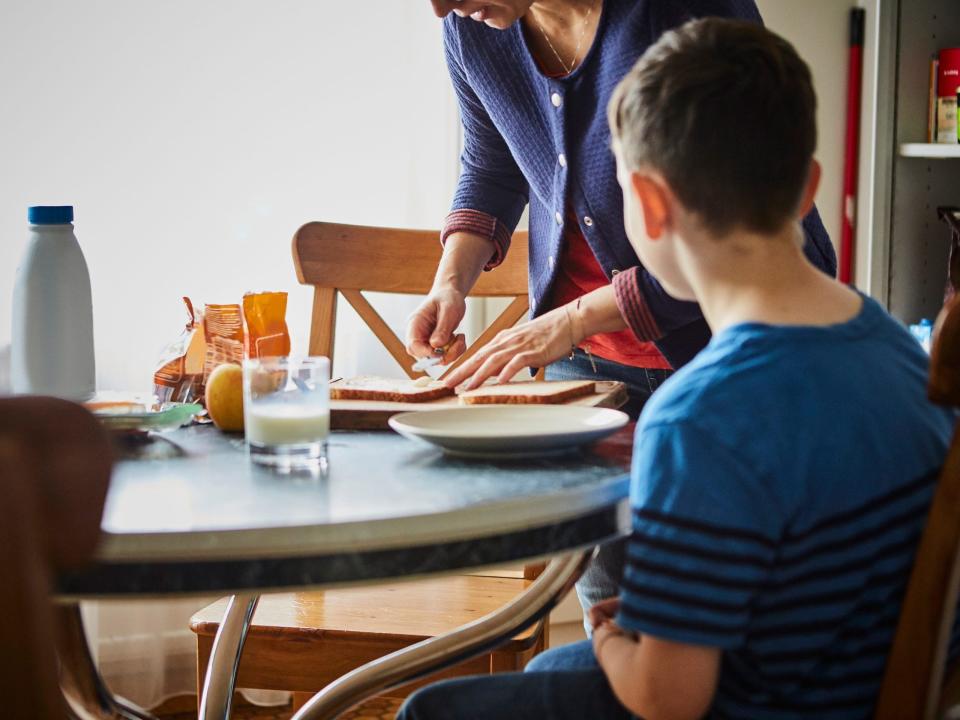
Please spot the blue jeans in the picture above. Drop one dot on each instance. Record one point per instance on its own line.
(640, 382)
(602, 578)
(561, 684)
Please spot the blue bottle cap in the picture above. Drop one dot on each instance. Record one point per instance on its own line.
(50, 214)
(926, 322)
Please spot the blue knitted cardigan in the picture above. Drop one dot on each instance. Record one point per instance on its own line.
(517, 122)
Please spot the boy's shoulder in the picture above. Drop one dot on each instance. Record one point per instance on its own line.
(754, 374)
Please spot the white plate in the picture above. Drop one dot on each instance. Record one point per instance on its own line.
(510, 431)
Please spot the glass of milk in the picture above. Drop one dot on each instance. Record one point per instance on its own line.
(286, 410)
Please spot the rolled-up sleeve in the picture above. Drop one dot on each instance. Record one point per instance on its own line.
(482, 224)
(491, 191)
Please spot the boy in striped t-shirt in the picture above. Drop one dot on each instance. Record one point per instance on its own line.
(781, 479)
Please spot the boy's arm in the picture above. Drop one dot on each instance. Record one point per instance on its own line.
(657, 679)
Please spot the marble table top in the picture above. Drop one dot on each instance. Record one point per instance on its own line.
(196, 516)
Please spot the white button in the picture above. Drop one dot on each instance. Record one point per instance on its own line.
(615, 271)
(556, 100)
(562, 159)
(559, 218)
(588, 221)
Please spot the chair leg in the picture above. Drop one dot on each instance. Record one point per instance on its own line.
(84, 690)
(300, 699)
(221, 677)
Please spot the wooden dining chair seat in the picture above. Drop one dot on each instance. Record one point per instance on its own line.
(302, 641)
(919, 679)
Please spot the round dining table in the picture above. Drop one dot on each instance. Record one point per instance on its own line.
(187, 513)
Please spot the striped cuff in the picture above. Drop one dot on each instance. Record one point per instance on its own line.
(482, 224)
(633, 306)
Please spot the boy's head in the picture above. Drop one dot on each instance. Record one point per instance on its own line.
(715, 126)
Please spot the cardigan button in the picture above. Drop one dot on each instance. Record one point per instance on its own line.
(559, 218)
(588, 221)
(556, 100)
(615, 271)
(562, 159)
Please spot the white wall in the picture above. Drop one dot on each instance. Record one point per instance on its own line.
(193, 138)
(819, 29)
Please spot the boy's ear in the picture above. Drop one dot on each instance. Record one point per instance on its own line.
(652, 197)
(810, 189)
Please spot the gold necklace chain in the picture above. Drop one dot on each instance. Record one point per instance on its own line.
(576, 52)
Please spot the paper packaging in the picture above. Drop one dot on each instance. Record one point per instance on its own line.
(223, 331)
(180, 375)
(264, 319)
(948, 82)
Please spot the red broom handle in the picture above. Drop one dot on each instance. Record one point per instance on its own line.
(851, 160)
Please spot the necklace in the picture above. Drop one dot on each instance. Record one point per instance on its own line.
(576, 53)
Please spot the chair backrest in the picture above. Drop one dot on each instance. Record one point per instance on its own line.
(348, 259)
(54, 470)
(917, 682)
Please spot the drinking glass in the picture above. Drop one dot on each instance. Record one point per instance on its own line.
(286, 410)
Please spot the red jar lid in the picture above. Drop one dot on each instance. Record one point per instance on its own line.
(949, 79)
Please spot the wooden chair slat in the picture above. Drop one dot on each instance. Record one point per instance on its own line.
(507, 319)
(395, 260)
(383, 332)
(323, 322)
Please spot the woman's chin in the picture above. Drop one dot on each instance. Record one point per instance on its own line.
(499, 19)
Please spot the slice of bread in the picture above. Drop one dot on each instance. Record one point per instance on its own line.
(529, 393)
(387, 389)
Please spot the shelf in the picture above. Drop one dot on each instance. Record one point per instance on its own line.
(930, 150)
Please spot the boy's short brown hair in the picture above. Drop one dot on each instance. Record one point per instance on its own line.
(726, 111)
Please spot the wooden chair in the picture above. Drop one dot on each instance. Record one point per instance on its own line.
(302, 641)
(54, 470)
(917, 681)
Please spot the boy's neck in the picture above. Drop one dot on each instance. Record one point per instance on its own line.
(747, 277)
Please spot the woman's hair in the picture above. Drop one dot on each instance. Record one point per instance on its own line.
(725, 110)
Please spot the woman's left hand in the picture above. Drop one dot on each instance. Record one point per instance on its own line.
(533, 344)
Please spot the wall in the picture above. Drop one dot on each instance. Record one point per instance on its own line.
(819, 31)
(194, 138)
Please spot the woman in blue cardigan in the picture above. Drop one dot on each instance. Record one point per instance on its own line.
(533, 80)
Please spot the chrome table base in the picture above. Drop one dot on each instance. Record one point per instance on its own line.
(444, 651)
(89, 699)
(224, 663)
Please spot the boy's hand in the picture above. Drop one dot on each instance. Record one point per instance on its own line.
(432, 326)
(604, 611)
(605, 632)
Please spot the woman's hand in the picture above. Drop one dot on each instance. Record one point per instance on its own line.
(432, 326)
(533, 344)
(604, 611)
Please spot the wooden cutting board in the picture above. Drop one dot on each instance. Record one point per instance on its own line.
(374, 414)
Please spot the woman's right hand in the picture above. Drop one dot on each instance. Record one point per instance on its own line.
(433, 324)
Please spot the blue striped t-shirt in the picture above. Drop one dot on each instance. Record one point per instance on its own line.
(780, 484)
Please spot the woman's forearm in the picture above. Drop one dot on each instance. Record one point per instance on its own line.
(464, 257)
(597, 312)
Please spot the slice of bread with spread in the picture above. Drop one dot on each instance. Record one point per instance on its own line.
(529, 393)
(370, 387)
